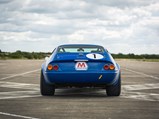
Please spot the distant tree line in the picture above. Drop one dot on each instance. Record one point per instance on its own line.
(133, 56)
(40, 55)
(23, 55)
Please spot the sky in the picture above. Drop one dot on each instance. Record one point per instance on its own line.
(121, 26)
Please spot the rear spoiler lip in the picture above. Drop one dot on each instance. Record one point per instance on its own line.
(80, 60)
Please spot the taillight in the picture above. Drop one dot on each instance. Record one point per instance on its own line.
(55, 67)
(106, 67)
(49, 67)
(52, 67)
(109, 67)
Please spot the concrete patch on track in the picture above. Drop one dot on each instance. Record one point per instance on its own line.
(134, 91)
(32, 90)
(141, 96)
(19, 85)
(141, 87)
(18, 94)
(127, 92)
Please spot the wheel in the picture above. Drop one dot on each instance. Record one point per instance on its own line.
(45, 88)
(114, 90)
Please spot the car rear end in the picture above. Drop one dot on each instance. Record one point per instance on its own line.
(91, 67)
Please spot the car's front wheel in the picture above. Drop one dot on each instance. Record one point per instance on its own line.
(45, 88)
(114, 90)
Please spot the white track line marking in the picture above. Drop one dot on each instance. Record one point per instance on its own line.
(19, 85)
(28, 72)
(25, 96)
(19, 94)
(154, 77)
(140, 86)
(19, 116)
(141, 96)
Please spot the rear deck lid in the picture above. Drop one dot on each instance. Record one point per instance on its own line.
(80, 57)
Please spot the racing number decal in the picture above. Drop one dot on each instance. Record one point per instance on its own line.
(81, 66)
(94, 56)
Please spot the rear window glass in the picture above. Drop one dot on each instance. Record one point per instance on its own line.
(78, 49)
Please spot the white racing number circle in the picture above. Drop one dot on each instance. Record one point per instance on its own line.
(94, 56)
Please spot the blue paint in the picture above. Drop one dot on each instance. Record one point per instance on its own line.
(67, 73)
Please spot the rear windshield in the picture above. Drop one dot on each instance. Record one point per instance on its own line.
(78, 49)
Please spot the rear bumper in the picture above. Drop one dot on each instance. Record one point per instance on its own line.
(97, 79)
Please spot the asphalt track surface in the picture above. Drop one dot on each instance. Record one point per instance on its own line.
(20, 97)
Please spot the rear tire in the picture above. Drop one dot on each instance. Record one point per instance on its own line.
(46, 89)
(114, 90)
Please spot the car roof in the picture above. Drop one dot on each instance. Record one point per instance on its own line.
(79, 45)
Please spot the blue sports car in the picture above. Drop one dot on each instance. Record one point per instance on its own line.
(80, 65)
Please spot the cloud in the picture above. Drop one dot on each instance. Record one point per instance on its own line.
(119, 25)
(122, 3)
(5, 1)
